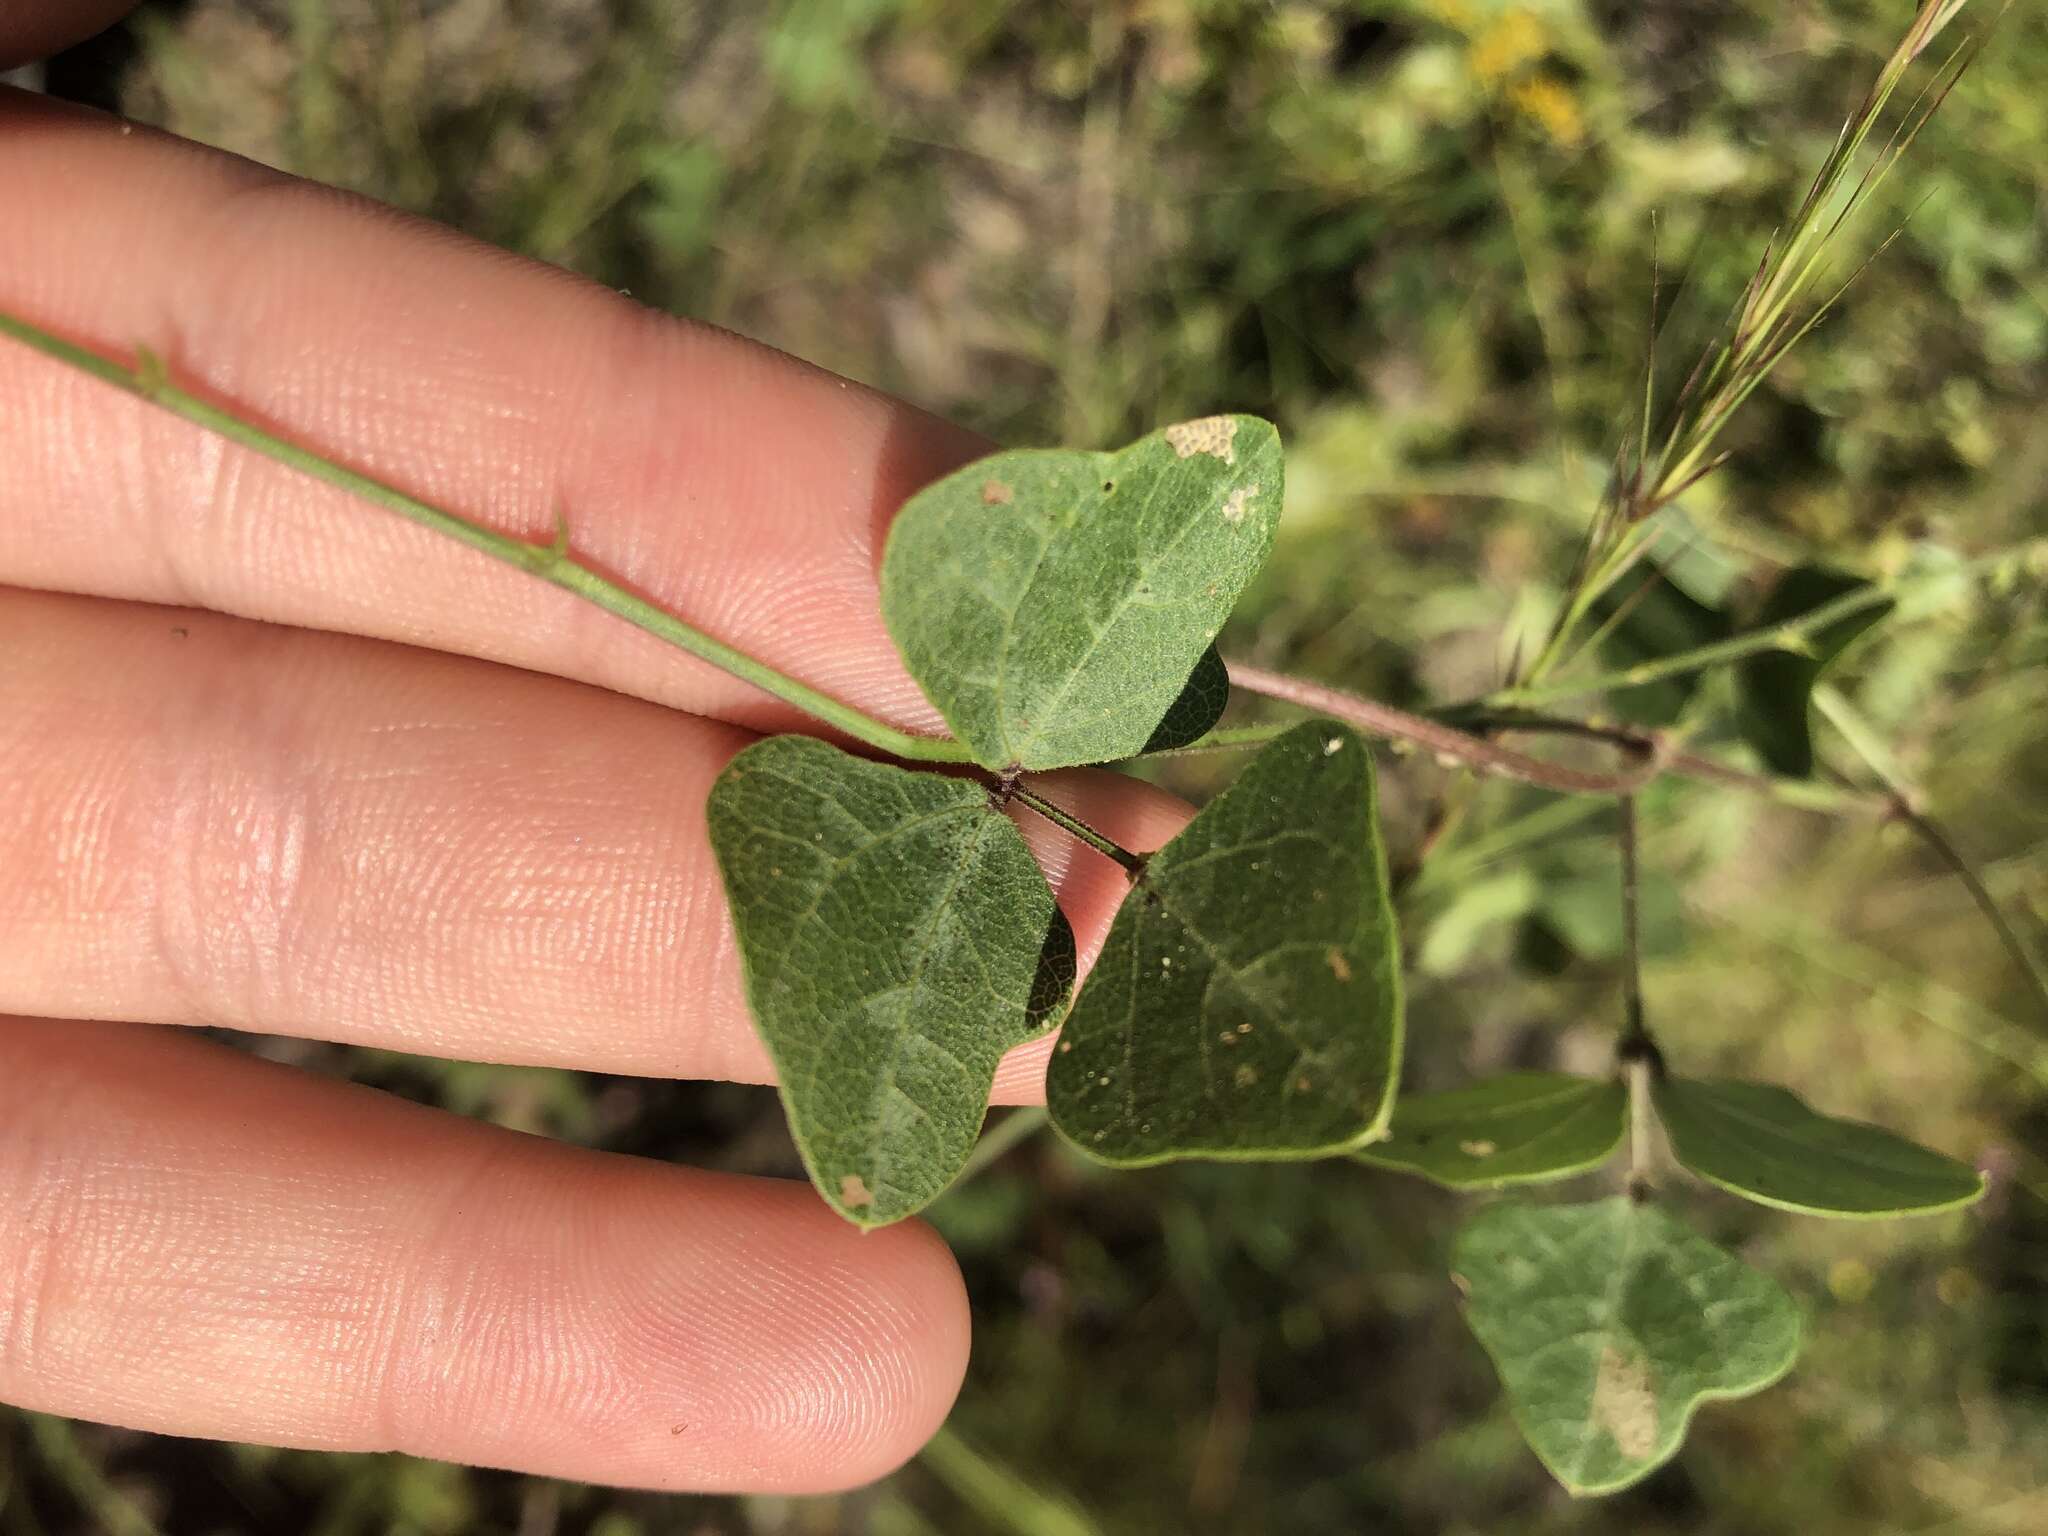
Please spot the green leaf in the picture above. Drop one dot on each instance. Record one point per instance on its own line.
(1765, 1144)
(1776, 687)
(1247, 1003)
(896, 938)
(1200, 705)
(1648, 617)
(1609, 1324)
(1518, 1129)
(1054, 604)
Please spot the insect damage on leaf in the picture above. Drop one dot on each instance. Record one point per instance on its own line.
(1213, 435)
(1072, 627)
(1623, 1403)
(1609, 1324)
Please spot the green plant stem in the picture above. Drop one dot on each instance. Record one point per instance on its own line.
(1906, 806)
(1790, 635)
(1074, 826)
(1015, 1128)
(552, 562)
(66, 1460)
(996, 1494)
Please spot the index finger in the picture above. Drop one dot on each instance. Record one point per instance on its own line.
(731, 485)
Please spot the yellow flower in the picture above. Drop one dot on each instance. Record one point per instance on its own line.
(1552, 107)
(1512, 41)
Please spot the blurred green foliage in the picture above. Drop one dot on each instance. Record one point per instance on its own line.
(1427, 237)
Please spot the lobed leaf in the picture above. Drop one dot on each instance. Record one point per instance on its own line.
(1055, 604)
(1521, 1128)
(1609, 1324)
(1247, 1002)
(1776, 687)
(1763, 1143)
(896, 938)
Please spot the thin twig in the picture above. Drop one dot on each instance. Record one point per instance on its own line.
(1447, 741)
(1074, 826)
(1653, 752)
(2023, 961)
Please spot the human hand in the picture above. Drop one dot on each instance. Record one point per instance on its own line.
(380, 790)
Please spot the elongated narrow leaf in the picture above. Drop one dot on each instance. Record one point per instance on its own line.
(1765, 1144)
(1053, 604)
(896, 938)
(1609, 1324)
(1247, 1002)
(1776, 687)
(1518, 1129)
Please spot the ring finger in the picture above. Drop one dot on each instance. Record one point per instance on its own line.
(215, 821)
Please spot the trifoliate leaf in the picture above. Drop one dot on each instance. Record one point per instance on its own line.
(1776, 687)
(1609, 1324)
(1054, 604)
(1518, 1129)
(1247, 1002)
(1765, 1144)
(896, 938)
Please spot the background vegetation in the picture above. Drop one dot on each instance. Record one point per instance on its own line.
(1421, 237)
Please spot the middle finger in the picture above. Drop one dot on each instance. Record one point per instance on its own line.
(216, 821)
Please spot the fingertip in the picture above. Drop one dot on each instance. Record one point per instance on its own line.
(907, 1330)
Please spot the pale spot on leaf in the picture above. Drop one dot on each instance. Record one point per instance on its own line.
(995, 494)
(1623, 1403)
(1339, 966)
(1237, 501)
(853, 1193)
(1477, 1148)
(1213, 435)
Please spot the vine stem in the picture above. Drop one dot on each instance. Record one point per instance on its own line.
(1448, 741)
(552, 561)
(1654, 753)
